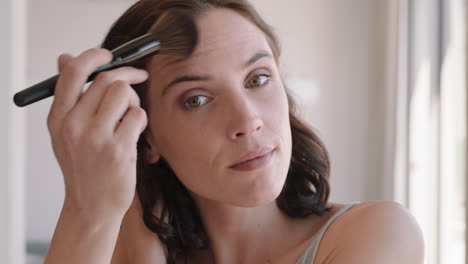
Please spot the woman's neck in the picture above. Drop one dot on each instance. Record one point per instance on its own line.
(249, 235)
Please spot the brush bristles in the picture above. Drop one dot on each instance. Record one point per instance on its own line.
(177, 33)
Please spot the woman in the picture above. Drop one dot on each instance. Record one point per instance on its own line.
(186, 126)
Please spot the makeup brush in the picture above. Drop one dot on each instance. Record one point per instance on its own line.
(174, 34)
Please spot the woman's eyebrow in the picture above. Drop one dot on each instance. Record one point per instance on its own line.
(256, 57)
(189, 78)
(185, 78)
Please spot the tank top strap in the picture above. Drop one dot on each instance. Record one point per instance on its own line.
(308, 255)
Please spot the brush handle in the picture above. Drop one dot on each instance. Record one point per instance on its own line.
(124, 55)
(36, 92)
(46, 88)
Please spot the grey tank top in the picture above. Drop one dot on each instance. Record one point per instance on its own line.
(308, 255)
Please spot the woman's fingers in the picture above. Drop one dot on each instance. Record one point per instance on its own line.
(133, 124)
(98, 165)
(89, 102)
(119, 97)
(72, 79)
(63, 60)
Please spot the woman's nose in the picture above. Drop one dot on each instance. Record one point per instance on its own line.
(244, 120)
(249, 128)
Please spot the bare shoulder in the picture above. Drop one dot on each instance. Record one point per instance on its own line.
(136, 243)
(373, 232)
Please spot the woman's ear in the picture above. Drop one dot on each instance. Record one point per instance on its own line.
(151, 153)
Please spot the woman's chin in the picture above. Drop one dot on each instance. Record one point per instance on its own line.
(258, 197)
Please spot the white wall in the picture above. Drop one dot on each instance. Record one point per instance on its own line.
(335, 48)
(12, 132)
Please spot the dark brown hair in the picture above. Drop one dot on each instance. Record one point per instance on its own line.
(179, 226)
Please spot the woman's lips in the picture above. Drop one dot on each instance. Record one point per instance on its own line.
(255, 163)
(254, 153)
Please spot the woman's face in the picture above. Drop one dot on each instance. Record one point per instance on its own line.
(228, 99)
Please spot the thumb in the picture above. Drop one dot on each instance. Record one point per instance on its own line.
(63, 60)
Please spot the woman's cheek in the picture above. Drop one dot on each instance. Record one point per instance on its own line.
(278, 105)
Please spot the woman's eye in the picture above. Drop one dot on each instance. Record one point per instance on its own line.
(258, 80)
(195, 101)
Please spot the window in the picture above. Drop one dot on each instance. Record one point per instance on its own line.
(437, 121)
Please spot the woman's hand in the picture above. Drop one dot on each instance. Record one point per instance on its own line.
(94, 134)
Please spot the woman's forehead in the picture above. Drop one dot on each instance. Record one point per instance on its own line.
(222, 28)
(224, 37)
